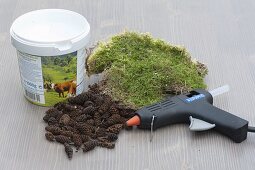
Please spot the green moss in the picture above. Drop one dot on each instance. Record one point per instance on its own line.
(140, 70)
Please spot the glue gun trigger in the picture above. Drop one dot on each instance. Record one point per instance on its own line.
(199, 125)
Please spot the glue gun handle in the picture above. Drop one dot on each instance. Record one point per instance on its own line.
(226, 123)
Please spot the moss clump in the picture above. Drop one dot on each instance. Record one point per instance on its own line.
(140, 70)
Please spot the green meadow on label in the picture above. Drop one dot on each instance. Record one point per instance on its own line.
(59, 77)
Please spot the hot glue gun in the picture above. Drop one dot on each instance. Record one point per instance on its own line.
(196, 108)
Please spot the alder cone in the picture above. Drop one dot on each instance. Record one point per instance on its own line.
(85, 128)
(112, 137)
(88, 103)
(68, 150)
(65, 119)
(115, 128)
(72, 123)
(46, 118)
(81, 98)
(89, 110)
(98, 100)
(53, 129)
(91, 122)
(97, 119)
(53, 112)
(103, 108)
(107, 145)
(128, 113)
(52, 121)
(75, 113)
(68, 107)
(67, 133)
(62, 139)
(59, 116)
(113, 110)
(77, 140)
(105, 116)
(89, 146)
(59, 106)
(114, 119)
(84, 138)
(69, 128)
(94, 88)
(79, 107)
(49, 136)
(100, 132)
(81, 118)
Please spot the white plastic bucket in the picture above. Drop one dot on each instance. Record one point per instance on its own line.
(51, 48)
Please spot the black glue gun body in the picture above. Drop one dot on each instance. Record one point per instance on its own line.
(195, 108)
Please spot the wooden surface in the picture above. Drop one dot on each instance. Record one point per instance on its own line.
(219, 33)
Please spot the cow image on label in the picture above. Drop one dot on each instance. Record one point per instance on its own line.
(69, 86)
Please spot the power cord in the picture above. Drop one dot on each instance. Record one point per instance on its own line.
(251, 129)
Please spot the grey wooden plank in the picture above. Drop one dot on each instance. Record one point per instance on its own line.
(219, 33)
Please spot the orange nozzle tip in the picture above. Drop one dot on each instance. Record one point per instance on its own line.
(133, 121)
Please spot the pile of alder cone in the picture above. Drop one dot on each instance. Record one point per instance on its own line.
(86, 121)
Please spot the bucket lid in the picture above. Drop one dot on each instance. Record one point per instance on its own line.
(50, 32)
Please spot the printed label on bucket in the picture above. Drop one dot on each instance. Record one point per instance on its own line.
(48, 80)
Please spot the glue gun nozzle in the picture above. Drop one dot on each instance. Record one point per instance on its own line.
(134, 121)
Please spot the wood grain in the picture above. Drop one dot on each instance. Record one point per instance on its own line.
(219, 33)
